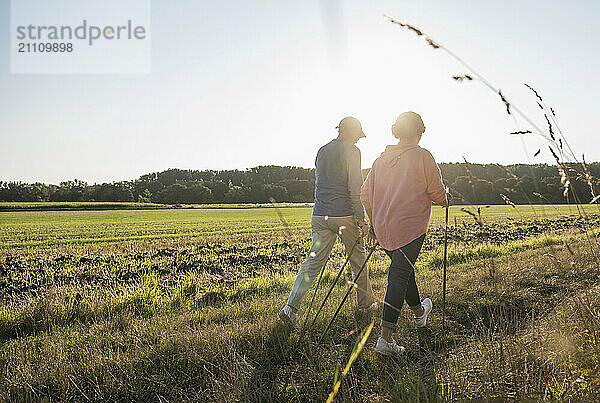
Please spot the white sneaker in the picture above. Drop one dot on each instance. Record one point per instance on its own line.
(427, 305)
(388, 348)
(288, 316)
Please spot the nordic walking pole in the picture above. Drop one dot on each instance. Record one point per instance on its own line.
(334, 282)
(312, 300)
(444, 280)
(347, 293)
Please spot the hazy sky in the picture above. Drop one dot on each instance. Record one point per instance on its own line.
(236, 84)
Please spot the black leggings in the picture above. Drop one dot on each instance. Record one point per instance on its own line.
(401, 281)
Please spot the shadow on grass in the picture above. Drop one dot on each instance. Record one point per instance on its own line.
(411, 376)
(277, 351)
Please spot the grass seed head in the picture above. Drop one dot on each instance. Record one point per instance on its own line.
(508, 172)
(464, 77)
(414, 29)
(588, 177)
(536, 93)
(435, 46)
(564, 178)
(472, 214)
(468, 167)
(508, 201)
(506, 103)
(550, 129)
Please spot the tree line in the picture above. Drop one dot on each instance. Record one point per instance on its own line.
(468, 183)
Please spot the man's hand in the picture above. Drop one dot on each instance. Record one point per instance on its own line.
(364, 227)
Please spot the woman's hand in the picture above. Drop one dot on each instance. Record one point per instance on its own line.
(371, 238)
(448, 198)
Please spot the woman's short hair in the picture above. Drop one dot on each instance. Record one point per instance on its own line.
(409, 124)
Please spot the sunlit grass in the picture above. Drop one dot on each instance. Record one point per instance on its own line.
(196, 319)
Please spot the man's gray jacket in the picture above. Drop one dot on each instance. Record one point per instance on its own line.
(338, 181)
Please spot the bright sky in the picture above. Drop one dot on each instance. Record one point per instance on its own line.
(236, 84)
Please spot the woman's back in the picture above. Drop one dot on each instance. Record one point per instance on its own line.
(399, 190)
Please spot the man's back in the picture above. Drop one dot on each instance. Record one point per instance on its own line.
(337, 175)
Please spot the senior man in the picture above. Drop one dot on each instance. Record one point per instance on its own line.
(337, 212)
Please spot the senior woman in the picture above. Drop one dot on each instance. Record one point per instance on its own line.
(397, 196)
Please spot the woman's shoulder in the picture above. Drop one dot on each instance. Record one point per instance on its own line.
(377, 162)
(426, 153)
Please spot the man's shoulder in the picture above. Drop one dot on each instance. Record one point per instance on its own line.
(324, 148)
(341, 148)
(341, 144)
(330, 144)
(350, 148)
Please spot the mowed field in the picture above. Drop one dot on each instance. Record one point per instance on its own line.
(39, 228)
(181, 305)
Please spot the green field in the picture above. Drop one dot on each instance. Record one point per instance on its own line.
(25, 228)
(181, 305)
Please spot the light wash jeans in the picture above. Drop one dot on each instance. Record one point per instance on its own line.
(325, 231)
